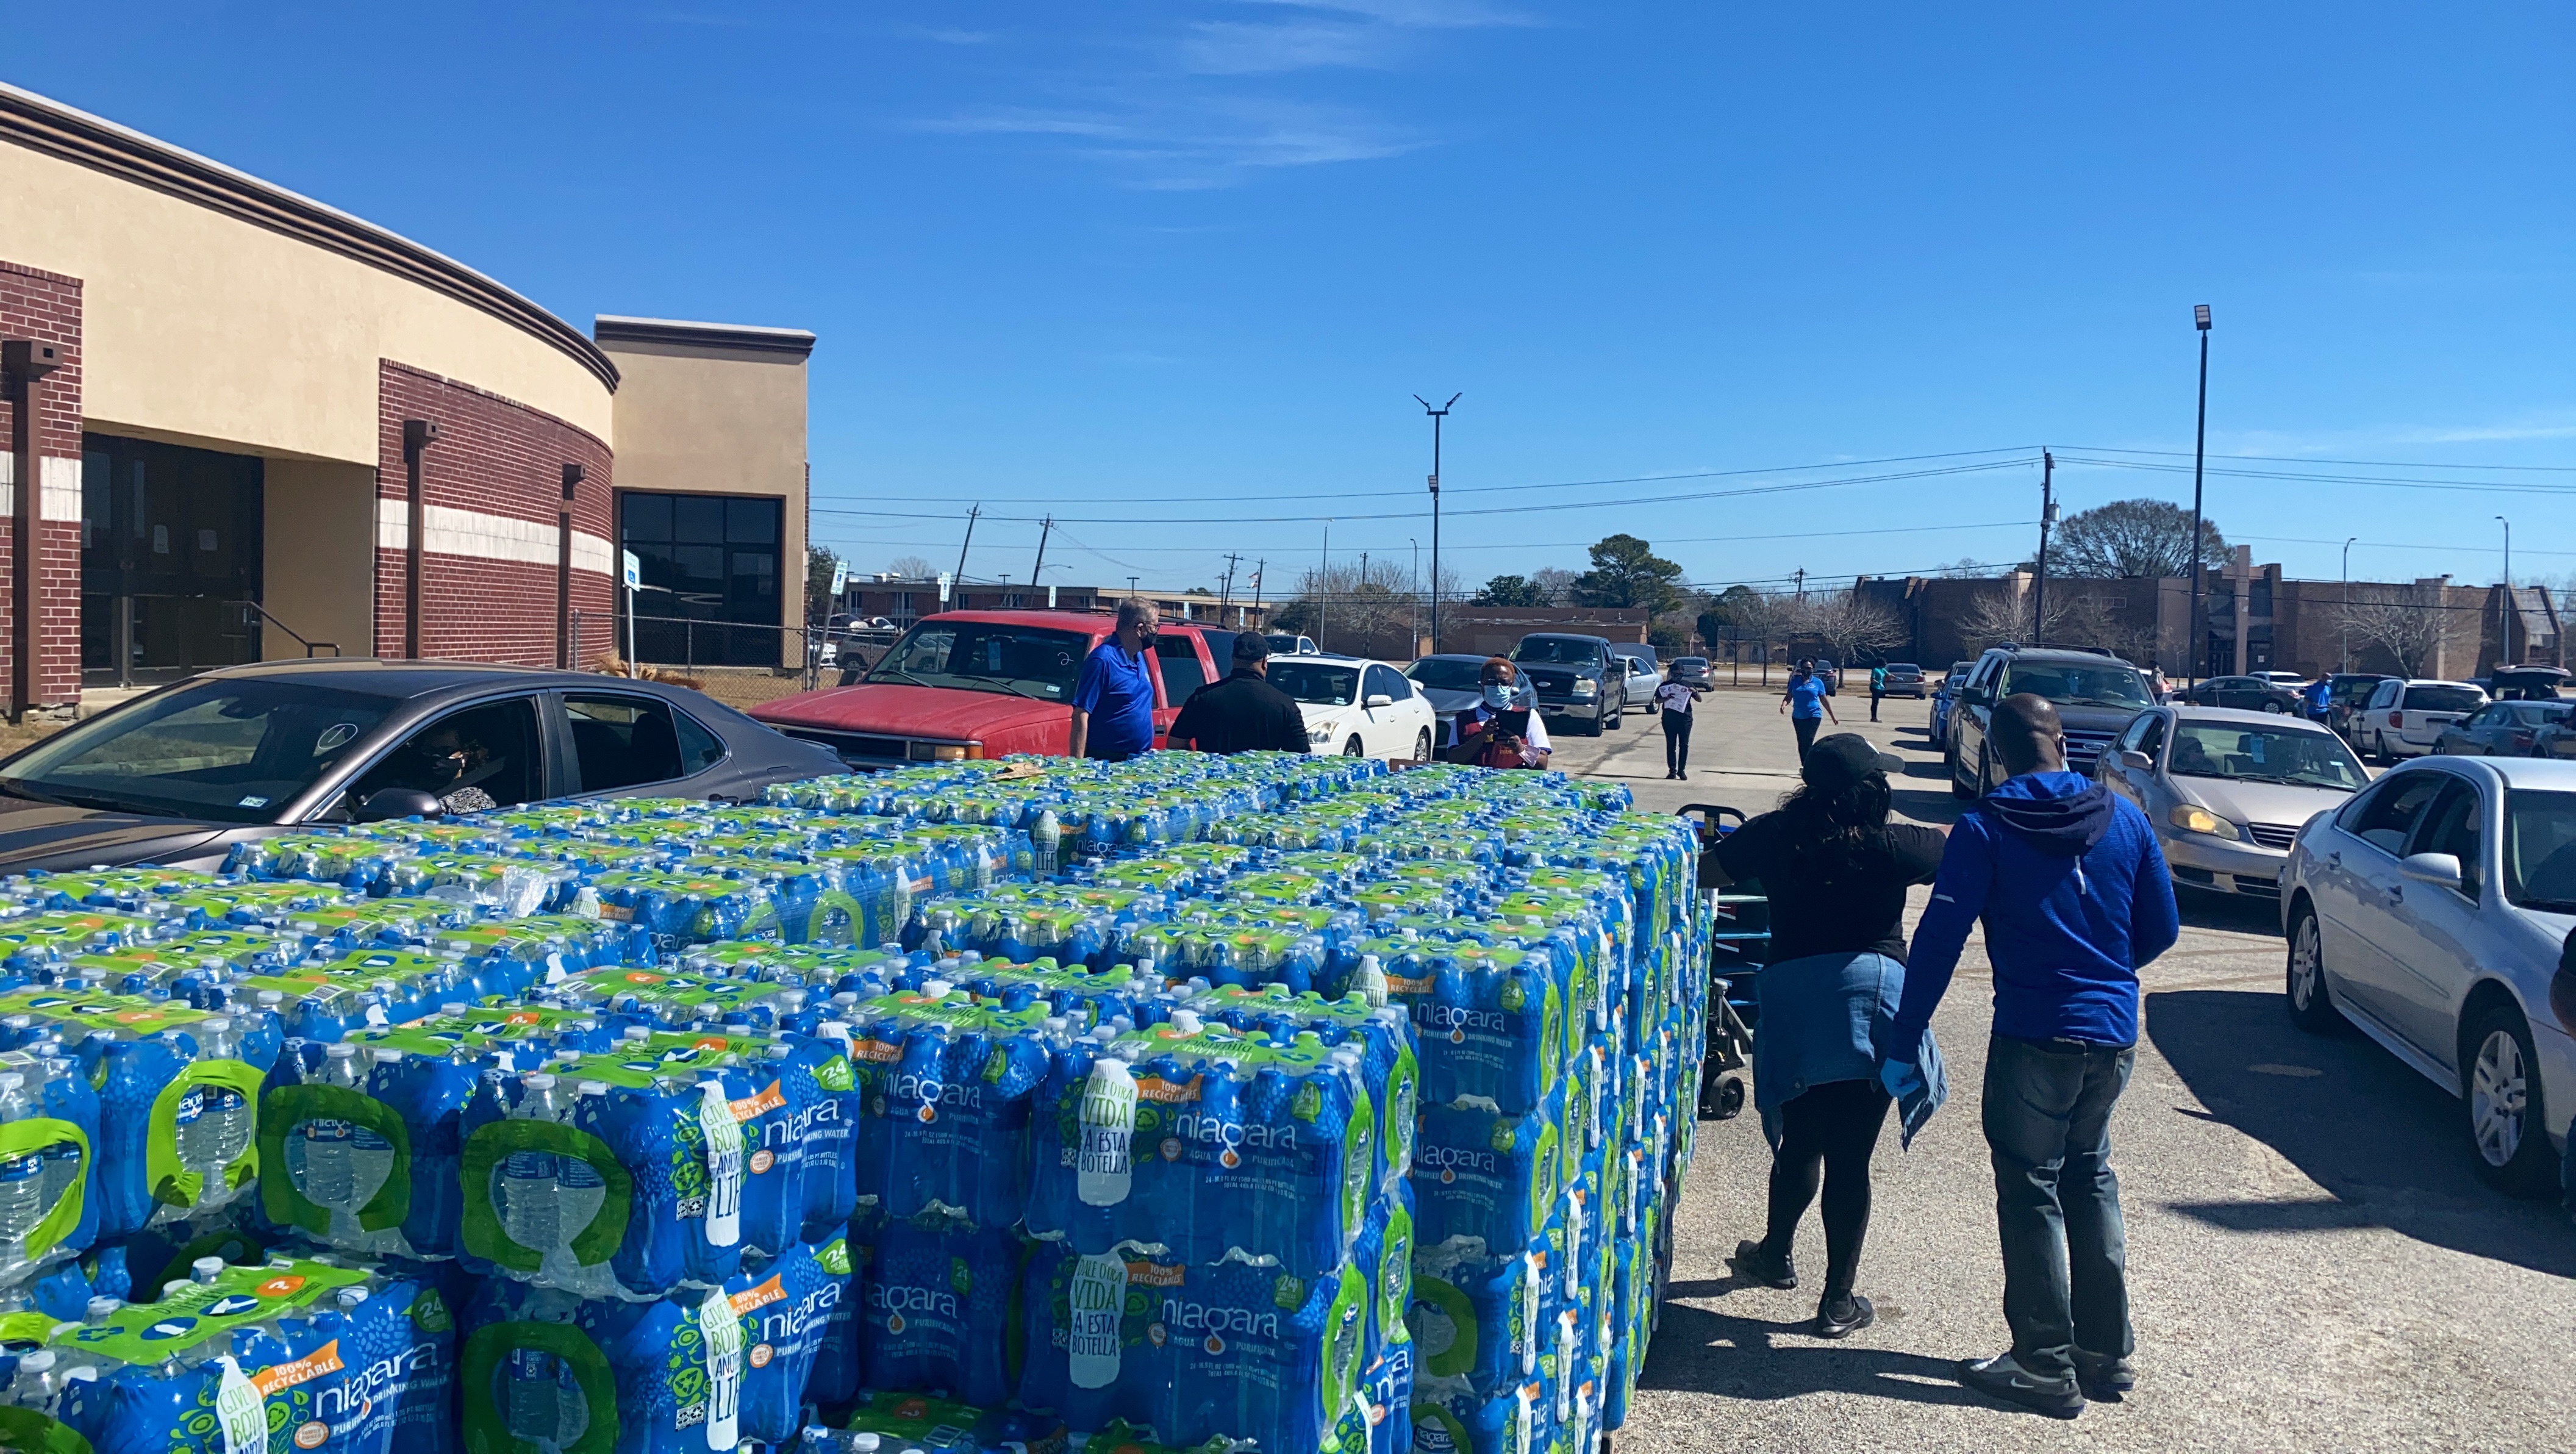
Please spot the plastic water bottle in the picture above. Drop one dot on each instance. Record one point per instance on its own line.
(371, 1156)
(205, 1270)
(722, 1328)
(724, 1174)
(525, 1189)
(579, 1189)
(1098, 1302)
(62, 1158)
(1103, 1174)
(324, 1143)
(1046, 838)
(36, 1386)
(220, 1131)
(22, 1178)
(534, 1404)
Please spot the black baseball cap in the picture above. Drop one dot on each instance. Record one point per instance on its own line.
(1836, 762)
(1249, 646)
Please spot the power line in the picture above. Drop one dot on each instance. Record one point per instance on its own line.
(2395, 464)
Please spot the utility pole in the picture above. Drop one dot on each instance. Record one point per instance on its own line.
(1131, 585)
(1257, 567)
(2504, 646)
(2047, 515)
(2345, 625)
(1800, 576)
(961, 551)
(1415, 591)
(1037, 572)
(1225, 598)
(1436, 416)
(1324, 579)
(2198, 660)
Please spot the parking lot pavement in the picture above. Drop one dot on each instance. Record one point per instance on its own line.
(2313, 1265)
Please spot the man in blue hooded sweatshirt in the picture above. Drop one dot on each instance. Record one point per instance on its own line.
(2075, 898)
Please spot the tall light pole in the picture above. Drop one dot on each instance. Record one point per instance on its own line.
(2199, 442)
(1324, 579)
(1438, 414)
(2047, 517)
(1415, 591)
(2347, 602)
(2504, 649)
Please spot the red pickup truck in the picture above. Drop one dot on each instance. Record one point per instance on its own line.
(971, 684)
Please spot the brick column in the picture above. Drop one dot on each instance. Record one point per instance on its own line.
(43, 307)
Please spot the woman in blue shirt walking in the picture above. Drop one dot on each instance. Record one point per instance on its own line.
(1806, 704)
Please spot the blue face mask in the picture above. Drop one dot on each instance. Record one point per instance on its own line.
(1497, 696)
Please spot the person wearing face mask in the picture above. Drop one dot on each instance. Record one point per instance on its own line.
(1113, 698)
(1501, 730)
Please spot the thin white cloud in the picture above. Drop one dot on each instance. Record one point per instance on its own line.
(1198, 144)
(1416, 14)
(1231, 48)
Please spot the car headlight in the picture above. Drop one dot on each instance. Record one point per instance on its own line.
(1321, 732)
(2200, 820)
(1585, 686)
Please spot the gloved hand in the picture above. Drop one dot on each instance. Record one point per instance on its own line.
(1901, 1077)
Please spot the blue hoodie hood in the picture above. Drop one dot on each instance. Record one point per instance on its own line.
(2060, 814)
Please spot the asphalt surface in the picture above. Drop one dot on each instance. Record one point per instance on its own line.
(2312, 1263)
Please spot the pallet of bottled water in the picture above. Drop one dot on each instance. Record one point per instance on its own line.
(1189, 1103)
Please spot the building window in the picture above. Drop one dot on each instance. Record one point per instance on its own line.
(710, 572)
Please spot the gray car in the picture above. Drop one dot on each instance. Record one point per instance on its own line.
(1643, 678)
(2095, 695)
(2228, 790)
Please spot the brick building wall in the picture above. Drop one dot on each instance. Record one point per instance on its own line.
(46, 308)
(491, 488)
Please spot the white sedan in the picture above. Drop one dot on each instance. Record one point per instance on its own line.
(2431, 911)
(1356, 707)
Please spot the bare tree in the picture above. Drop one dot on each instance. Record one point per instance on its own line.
(911, 568)
(2413, 624)
(2001, 613)
(1555, 584)
(1853, 625)
(1365, 610)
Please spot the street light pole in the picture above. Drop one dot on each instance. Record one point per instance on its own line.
(2047, 516)
(2346, 625)
(1324, 580)
(1437, 415)
(2504, 649)
(2199, 443)
(1414, 589)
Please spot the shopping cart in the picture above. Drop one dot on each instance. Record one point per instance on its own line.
(1738, 948)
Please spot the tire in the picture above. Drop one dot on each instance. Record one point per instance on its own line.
(1614, 718)
(1352, 748)
(1959, 789)
(2274, 708)
(1592, 728)
(2311, 1003)
(2500, 1090)
(1422, 745)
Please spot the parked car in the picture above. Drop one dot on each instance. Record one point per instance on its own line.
(2346, 692)
(970, 684)
(1945, 696)
(2289, 679)
(1283, 643)
(2430, 912)
(1453, 683)
(180, 775)
(2095, 696)
(2526, 683)
(2404, 717)
(2246, 694)
(1638, 688)
(1357, 707)
(1904, 679)
(1694, 671)
(2501, 729)
(1825, 673)
(2228, 790)
(1576, 677)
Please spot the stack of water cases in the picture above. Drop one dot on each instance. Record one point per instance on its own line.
(1189, 1103)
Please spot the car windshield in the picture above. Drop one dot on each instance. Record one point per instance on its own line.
(227, 750)
(1316, 682)
(2444, 699)
(1557, 651)
(2264, 755)
(2540, 850)
(1691, 663)
(986, 656)
(1458, 674)
(2078, 684)
(1285, 645)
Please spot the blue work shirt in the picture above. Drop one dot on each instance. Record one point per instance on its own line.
(1117, 690)
(1807, 697)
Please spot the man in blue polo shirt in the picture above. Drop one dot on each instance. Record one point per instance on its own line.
(1113, 698)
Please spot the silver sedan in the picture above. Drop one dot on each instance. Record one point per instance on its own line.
(2227, 790)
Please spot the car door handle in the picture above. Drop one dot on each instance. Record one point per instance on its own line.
(2335, 859)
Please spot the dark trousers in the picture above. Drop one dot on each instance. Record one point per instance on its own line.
(1827, 1133)
(1874, 695)
(1676, 741)
(1806, 730)
(2057, 1202)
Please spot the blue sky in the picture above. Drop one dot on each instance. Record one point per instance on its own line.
(1145, 264)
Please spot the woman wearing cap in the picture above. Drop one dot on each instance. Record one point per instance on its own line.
(1836, 871)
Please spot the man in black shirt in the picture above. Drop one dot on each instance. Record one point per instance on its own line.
(1243, 713)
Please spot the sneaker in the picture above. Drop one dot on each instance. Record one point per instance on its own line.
(1841, 1315)
(2104, 1377)
(1755, 1265)
(2001, 1377)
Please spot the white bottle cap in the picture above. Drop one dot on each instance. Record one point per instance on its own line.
(635, 1032)
(105, 1307)
(387, 1055)
(593, 1088)
(454, 1007)
(206, 1269)
(36, 1362)
(339, 1052)
(1186, 1021)
(537, 1080)
(217, 1025)
(350, 1297)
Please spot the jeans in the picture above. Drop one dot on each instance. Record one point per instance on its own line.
(1805, 727)
(1826, 1134)
(2057, 1203)
(1873, 704)
(1677, 727)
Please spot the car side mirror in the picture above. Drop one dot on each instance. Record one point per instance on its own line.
(2442, 870)
(386, 804)
(2136, 761)
(1380, 699)
(1973, 696)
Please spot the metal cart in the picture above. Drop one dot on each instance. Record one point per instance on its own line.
(1738, 947)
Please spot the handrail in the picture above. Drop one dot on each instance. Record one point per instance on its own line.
(310, 647)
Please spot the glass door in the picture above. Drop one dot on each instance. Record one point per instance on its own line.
(170, 548)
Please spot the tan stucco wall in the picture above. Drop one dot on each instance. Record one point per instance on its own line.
(717, 422)
(200, 326)
(318, 556)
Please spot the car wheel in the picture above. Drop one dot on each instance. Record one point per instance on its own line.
(1958, 789)
(2311, 1007)
(1352, 747)
(1592, 728)
(2272, 707)
(1616, 717)
(1422, 745)
(2507, 1123)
